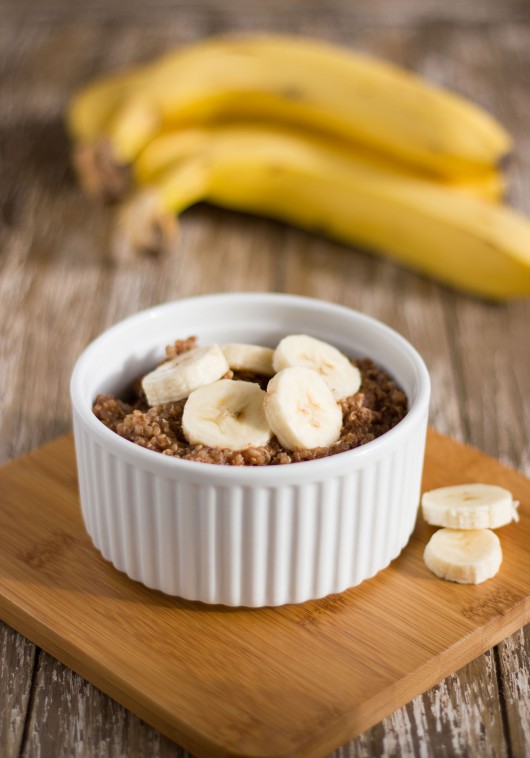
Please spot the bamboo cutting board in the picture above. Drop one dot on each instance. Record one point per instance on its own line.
(292, 681)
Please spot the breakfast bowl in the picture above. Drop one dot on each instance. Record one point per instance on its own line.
(247, 535)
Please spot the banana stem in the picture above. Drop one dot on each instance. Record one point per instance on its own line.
(147, 222)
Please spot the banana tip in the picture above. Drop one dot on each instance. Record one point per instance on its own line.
(99, 175)
(143, 228)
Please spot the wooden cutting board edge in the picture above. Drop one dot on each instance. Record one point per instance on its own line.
(345, 727)
(423, 678)
(49, 641)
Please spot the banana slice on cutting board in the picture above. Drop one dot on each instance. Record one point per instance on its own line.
(177, 378)
(469, 506)
(253, 358)
(343, 378)
(227, 414)
(467, 556)
(301, 409)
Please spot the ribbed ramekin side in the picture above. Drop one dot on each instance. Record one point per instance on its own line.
(413, 453)
(249, 545)
(392, 512)
(379, 505)
(82, 457)
(364, 503)
(108, 496)
(115, 503)
(326, 544)
(389, 499)
(163, 530)
(291, 543)
(96, 476)
(306, 520)
(383, 500)
(256, 546)
(347, 552)
(280, 534)
(397, 473)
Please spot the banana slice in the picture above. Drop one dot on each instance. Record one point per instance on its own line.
(301, 409)
(253, 358)
(175, 379)
(227, 414)
(467, 556)
(301, 350)
(469, 506)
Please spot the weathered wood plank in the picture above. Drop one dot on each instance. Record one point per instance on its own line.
(383, 12)
(456, 718)
(16, 677)
(514, 664)
(70, 717)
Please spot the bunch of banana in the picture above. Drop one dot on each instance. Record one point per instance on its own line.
(313, 135)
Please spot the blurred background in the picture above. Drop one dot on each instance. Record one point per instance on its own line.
(61, 284)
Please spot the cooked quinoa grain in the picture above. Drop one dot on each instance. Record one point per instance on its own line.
(378, 406)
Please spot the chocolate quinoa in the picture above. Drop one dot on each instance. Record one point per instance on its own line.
(378, 406)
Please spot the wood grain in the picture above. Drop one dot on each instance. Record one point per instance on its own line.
(17, 657)
(296, 680)
(58, 286)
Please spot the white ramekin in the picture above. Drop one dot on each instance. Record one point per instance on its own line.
(247, 536)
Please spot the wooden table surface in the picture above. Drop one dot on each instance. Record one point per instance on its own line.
(60, 287)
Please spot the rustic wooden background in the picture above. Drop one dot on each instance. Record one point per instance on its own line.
(59, 287)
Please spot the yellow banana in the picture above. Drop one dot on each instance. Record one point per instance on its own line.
(487, 185)
(470, 244)
(88, 116)
(91, 109)
(171, 147)
(305, 83)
